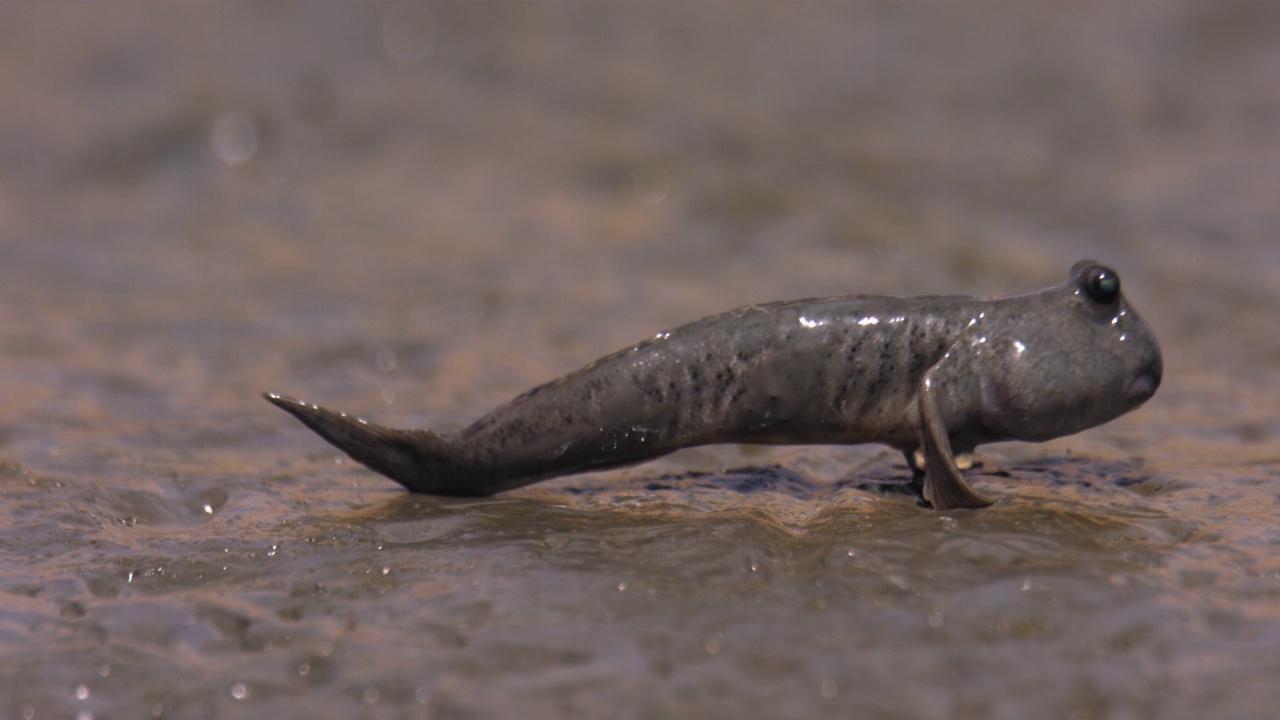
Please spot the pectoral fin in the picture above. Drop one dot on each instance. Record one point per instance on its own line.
(944, 487)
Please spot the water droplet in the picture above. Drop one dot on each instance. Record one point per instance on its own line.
(234, 139)
(371, 695)
(239, 691)
(651, 185)
(82, 692)
(386, 571)
(386, 359)
(422, 695)
(104, 671)
(829, 689)
(388, 396)
(157, 709)
(84, 715)
(713, 646)
(622, 586)
(935, 618)
(208, 509)
(28, 713)
(304, 667)
(409, 33)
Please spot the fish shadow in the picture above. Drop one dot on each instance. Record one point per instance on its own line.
(883, 478)
(1080, 472)
(888, 479)
(749, 479)
(1065, 471)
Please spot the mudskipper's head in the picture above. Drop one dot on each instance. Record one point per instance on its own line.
(1068, 358)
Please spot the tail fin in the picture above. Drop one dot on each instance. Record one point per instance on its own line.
(420, 460)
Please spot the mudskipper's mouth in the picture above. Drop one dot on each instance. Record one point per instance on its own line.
(1144, 386)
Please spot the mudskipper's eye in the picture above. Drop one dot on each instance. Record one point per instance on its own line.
(1101, 284)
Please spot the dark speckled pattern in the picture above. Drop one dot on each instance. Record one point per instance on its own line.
(936, 374)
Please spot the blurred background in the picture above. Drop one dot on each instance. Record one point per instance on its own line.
(413, 211)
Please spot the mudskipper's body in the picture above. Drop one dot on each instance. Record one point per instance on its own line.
(931, 376)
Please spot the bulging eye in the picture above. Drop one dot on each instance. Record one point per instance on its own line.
(1101, 284)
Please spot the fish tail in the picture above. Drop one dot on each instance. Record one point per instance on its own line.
(420, 460)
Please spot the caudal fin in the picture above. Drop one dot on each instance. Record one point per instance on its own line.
(420, 460)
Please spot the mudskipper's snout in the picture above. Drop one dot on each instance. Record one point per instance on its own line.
(1146, 382)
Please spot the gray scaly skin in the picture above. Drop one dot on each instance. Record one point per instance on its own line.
(933, 377)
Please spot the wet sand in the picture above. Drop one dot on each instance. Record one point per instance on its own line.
(414, 213)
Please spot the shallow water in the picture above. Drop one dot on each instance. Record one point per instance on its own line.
(415, 212)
